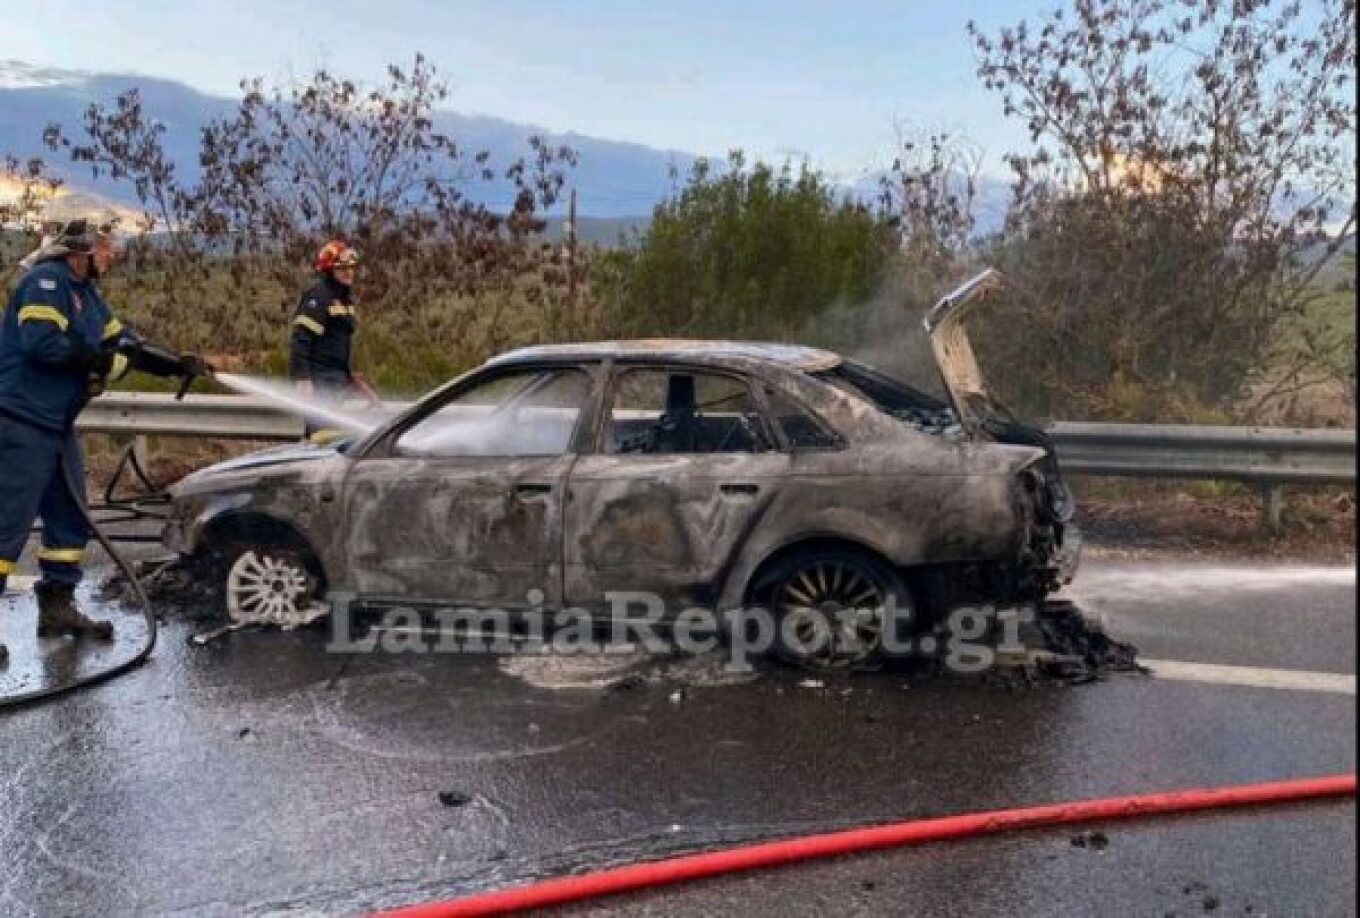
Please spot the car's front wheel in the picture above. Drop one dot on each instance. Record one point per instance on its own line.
(267, 584)
(835, 609)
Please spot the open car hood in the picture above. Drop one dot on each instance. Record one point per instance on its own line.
(954, 352)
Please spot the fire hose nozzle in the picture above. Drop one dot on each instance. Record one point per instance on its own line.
(192, 367)
(159, 361)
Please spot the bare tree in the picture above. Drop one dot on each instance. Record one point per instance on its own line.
(125, 144)
(930, 193)
(297, 164)
(1191, 171)
(25, 188)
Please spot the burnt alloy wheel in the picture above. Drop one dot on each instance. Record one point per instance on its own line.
(275, 584)
(833, 608)
(267, 585)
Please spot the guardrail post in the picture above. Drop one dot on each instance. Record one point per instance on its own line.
(1272, 503)
(141, 450)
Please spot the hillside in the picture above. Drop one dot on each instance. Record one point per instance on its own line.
(613, 179)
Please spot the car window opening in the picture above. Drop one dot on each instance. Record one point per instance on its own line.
(660, 412)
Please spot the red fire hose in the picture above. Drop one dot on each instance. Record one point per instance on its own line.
(768, 854)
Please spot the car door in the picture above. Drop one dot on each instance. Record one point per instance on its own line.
(464, 503)
(684, 469)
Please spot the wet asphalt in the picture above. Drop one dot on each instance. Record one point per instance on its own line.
(263, 775)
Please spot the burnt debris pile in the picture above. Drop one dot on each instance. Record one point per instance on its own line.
(1079, 647)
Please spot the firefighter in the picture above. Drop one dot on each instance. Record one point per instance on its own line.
(60, 345)
(323, 333)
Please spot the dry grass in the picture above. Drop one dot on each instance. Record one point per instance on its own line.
(1215, 518)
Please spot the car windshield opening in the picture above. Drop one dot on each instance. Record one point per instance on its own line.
(527, 413)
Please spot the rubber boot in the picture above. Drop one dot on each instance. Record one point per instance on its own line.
(58, 615)
(4, 651)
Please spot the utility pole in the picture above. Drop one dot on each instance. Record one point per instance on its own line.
(571, 258)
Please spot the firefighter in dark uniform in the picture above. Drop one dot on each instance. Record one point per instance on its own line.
(60, 345)
(323, 333)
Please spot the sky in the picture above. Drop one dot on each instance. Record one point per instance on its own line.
(816, 79)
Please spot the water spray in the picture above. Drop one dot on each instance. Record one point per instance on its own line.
(288, 398)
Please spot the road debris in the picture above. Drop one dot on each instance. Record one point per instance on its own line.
(1095, 841)
(627, 683)
(1086, 651)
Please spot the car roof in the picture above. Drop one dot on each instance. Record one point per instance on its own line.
(796, 356)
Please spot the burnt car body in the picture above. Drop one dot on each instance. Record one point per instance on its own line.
(699, 472)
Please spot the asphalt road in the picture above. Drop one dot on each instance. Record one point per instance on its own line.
(263, 775)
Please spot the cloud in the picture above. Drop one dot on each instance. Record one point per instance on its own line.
(21, 75)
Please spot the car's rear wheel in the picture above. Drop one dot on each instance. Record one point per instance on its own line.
(834, 608)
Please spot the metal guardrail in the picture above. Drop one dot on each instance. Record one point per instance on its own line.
(1267, 456)
(1260, 455)
(225, 417)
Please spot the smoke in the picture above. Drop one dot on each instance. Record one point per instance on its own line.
(316, 410)
(885, 330)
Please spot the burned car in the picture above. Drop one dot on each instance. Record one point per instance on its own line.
(704, 473)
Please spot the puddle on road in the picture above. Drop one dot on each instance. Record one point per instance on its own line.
(389, 716)
(36, 664)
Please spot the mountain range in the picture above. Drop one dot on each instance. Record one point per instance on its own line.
(618, 182)
(615, 179)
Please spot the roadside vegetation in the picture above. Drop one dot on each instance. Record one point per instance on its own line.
(1173, 237)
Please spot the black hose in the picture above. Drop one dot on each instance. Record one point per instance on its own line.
(45, 694)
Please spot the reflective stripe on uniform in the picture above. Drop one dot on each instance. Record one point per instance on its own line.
(62, 555)
(312, 325)
(8, 567)
(340, 309)
(111, 328)
(44, 312)
(119, 369)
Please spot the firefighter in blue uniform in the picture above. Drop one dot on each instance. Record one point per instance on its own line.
(60, 345)
(321, 342)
